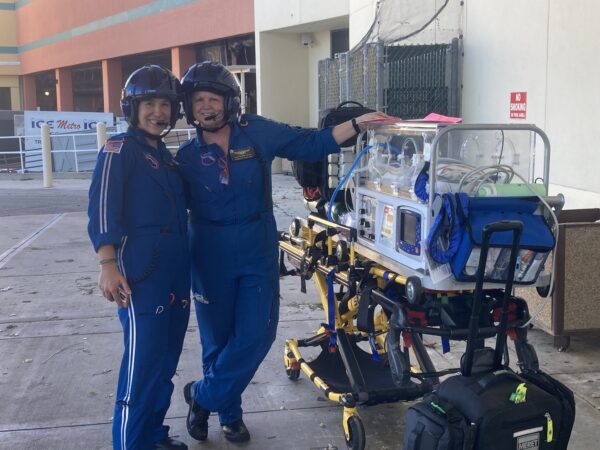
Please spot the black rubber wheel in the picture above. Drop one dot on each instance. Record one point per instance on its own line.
(292, 374)
(413, 290)
(544, 291)
(358, 438)
(341, 251)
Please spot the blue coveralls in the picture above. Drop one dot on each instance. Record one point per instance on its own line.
(233, 243)
(137, 204)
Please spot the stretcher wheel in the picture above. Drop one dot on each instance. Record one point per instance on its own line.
(544, 291)
(356, 439)
(292, 374)
(413, 290)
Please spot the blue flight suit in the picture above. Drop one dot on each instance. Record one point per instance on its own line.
(233, 243)
(137, 204)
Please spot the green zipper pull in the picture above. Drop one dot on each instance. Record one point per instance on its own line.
(437, 408)
(549, 428)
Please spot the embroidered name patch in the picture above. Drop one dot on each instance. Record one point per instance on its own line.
(152, 160)
(207, 159)
(113, 146)
(242, 153)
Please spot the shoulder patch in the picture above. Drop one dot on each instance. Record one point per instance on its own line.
(114, 145)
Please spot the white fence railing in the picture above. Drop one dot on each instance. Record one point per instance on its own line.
(75, 152)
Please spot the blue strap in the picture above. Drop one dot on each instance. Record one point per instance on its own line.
(451, 219)
(420, 186)
(445, 344)
(374, 351)
(331, 308)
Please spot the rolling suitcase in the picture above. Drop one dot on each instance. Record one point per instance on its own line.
(505, 410)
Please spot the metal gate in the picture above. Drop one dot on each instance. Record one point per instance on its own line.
(407, 81)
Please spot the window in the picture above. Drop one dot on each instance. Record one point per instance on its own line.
(340, 41)
(5, 98)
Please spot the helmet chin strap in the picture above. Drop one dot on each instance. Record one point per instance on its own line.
(200, 128)
(155, 137)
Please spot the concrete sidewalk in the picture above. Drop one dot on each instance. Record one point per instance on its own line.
(61, 345)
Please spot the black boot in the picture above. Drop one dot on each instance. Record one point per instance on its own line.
(236, 432)
(170, 444)
(197, 418)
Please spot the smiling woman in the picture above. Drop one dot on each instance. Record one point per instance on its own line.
(138, 223)
(228, 170)
(208, 108)
(154, 116)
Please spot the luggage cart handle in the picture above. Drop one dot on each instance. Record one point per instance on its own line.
(488, 230)
(503, 225)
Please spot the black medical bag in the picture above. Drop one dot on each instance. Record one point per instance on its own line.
(434, 424)
(562, 433)
(490, 401)
(313, 175)
(505, 410)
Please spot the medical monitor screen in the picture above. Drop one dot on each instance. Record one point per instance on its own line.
(409, 228)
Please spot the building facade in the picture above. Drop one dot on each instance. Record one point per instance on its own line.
(70, 55)
(542, 48)
(75, 54)
(9, 58)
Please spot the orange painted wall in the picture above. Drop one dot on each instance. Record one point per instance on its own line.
(43, 19)
(200, 21)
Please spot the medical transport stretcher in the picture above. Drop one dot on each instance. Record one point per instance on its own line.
(395, 251)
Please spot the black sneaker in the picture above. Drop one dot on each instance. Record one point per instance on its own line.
(197, 418)
(170, 444)
(236, 432)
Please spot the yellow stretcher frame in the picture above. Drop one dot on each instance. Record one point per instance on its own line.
(294, 362)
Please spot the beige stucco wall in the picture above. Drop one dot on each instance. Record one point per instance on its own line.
(547, 49)
(287, 81)
(10, 67)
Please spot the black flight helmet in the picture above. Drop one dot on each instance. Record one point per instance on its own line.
(150, 81)
(212, 77)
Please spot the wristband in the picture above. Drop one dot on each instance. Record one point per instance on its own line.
(107, 261)
(355, 125)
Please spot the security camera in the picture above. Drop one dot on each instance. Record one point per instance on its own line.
(306, 39)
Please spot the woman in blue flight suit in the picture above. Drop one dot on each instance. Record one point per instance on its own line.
(233, 236)
(138, 226)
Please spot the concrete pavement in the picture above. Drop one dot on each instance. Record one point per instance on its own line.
(61, 344)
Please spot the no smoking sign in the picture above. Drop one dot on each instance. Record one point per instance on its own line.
(518, 105)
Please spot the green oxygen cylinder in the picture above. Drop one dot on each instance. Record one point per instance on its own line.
(511, 190)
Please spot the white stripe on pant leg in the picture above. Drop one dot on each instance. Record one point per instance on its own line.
(132, 345)
(121, 269)
(131, 351)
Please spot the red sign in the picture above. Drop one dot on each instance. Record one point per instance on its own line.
(518, 105)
